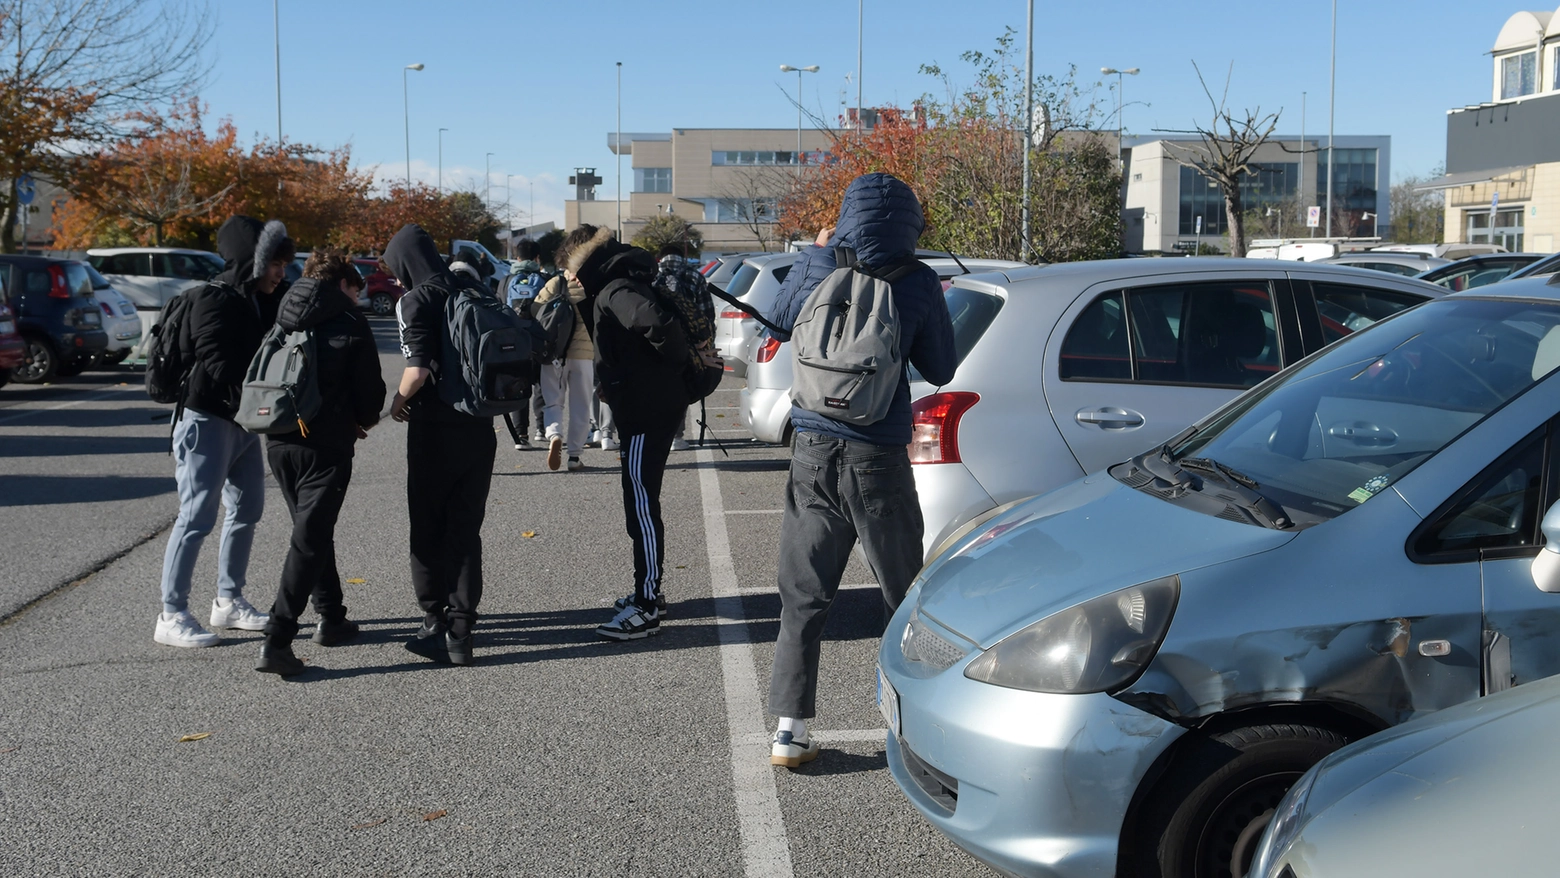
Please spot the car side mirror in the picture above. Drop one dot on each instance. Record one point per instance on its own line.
(1546, 566)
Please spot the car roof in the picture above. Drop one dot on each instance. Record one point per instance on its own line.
(115, 251)
(1520, 288)
(766, 259)
(1405, 257)
(1106, 270)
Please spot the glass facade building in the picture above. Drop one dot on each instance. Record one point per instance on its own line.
(1271, 184)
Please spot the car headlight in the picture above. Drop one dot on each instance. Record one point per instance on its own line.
(1096, 646)
(1288, 819)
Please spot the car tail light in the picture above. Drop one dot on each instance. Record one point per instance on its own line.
(767, 350)
(732, 314)
(106, 310)
(59, 285)
(934, 426)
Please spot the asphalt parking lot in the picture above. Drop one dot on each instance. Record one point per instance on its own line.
(558, 754)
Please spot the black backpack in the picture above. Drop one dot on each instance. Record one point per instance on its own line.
(167, 368)
(488, 366)
(556, 319)
(693, 314)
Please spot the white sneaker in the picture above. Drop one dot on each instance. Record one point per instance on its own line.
(237, 613)
(790, 751)
(181, 629)
(680, 444)
(609, 444)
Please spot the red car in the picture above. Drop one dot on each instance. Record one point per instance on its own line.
(13, 351)
(380, 288)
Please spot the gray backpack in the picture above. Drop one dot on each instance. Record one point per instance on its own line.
(845, 343)
(281, 390)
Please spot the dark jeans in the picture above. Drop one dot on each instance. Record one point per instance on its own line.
(839, 491)
(449, 467)
(531, 414)
(644, 463)
(314, 484)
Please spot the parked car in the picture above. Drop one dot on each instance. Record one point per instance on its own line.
(1476, 271)
(1405, 264)
(56, 313)
(13, 350)
(1126, 674)
(121, 323)
(474, 254)
(1542, 268)
(1454, 793)
(1452, 250)
(756, 284)
(726, 268)
(150, 276)
(766, 398)
(1049, 387)
(380, 288)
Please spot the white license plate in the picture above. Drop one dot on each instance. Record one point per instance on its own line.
(888, 702)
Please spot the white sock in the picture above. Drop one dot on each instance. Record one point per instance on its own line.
(797, 727)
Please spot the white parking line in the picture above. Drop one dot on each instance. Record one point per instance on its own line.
(754, 511)
(837, 736)
(766, 851)
(64, 405)
(774, 589)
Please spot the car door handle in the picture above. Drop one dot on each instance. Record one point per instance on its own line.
(1110, 418)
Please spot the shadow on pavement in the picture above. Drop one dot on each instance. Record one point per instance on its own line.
(71, 446)
(55, 490)
(86, 418)
(831, 761)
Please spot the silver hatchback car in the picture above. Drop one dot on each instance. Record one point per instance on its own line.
(756, 284)
(1129, 672)
(1067, 369)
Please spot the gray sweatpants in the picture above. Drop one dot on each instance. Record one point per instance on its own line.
(214, 461)
(839, 491)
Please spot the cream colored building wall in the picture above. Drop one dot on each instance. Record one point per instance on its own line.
(1154, 188)
(1538, 195)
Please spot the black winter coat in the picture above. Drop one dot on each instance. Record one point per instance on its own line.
(352, 390)
(225, 325)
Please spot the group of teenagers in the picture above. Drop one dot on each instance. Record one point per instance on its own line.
(849, 482)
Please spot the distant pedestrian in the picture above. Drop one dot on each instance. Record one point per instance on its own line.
(449, 458)
(851, 481)
(571, 379)
(313, 469)
(214, 459)
(641, 355)
(525, 283)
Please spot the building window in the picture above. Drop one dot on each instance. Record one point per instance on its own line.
(652, 179)
(1270, 184)
(1355, 192)
(1508, 230)
(745, 210)
(1518, 75)
(765, 157)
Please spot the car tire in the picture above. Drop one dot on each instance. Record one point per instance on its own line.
(382, 305)
(1208, 812)
(41, 364)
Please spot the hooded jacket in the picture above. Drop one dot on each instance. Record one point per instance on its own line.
(227, 322)
(352, 390)
(641, 352)
(415, 261)
(880, 219)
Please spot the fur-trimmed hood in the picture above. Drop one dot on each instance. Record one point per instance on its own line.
(604, 259)
(247, 247)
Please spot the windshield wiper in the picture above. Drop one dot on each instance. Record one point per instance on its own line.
(1244, 488)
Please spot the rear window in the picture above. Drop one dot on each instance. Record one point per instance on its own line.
(972, 313)
(99, 282)
(742, 281)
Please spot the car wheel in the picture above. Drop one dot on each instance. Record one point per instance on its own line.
(40, 364)
(1209, 811)
(382, 305)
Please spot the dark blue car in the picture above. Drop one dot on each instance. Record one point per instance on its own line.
(56, 315)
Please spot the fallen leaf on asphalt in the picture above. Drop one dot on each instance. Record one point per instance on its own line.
(10, 750)
(720, 416)
(370, 824)
(356, 581)
(682, 566)
(435, 815)
(198, 736)
(528, 533)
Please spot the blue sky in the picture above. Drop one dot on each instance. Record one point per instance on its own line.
(534, 82)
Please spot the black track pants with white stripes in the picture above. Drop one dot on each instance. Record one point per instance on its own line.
(644, 463)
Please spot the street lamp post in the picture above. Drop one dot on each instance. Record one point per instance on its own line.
(276, 26)
(1121, 105)
(1029, 130)
(618, 148)
(1332, 93)
(487, 181)
(441, 159)
(786, 68)
(406, 118)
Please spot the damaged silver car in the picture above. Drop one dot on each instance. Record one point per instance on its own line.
(1125, 675)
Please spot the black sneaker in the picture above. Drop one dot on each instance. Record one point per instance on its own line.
(279, 660)
(429, 641)
(459, 651)
(660, 604)
(633, 622)
(329, 633)
(522, 442)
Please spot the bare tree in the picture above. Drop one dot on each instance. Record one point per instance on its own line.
(79, 70)
(751, 197)
(1224, 154)
(160, 194)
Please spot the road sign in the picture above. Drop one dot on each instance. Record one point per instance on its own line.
(1313, 216)
(24, 189)
(1494, 206)
(1197, 228)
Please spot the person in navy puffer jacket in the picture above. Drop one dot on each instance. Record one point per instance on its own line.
(847, 481)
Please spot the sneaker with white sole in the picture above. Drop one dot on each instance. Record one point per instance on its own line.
(791, 751)
(576, 465)
(627, 600)
(237, 613)
(609, 444)
(554, 453)
(631, 623)
(181, 629)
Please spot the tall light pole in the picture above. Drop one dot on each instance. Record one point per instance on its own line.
(441, 159)
(859, 5)
(487, 181)
(1029, 129)
(1332, 92)
(619, 150)
(1121, 105)
(406, 118)
(276, 26)
(786, 68)
(1300, 189)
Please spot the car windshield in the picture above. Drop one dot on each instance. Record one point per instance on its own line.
(1333, 433)
(99, 282)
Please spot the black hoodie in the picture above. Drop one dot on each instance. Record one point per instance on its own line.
(351, 388)
(226, 322)
(415, 261)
